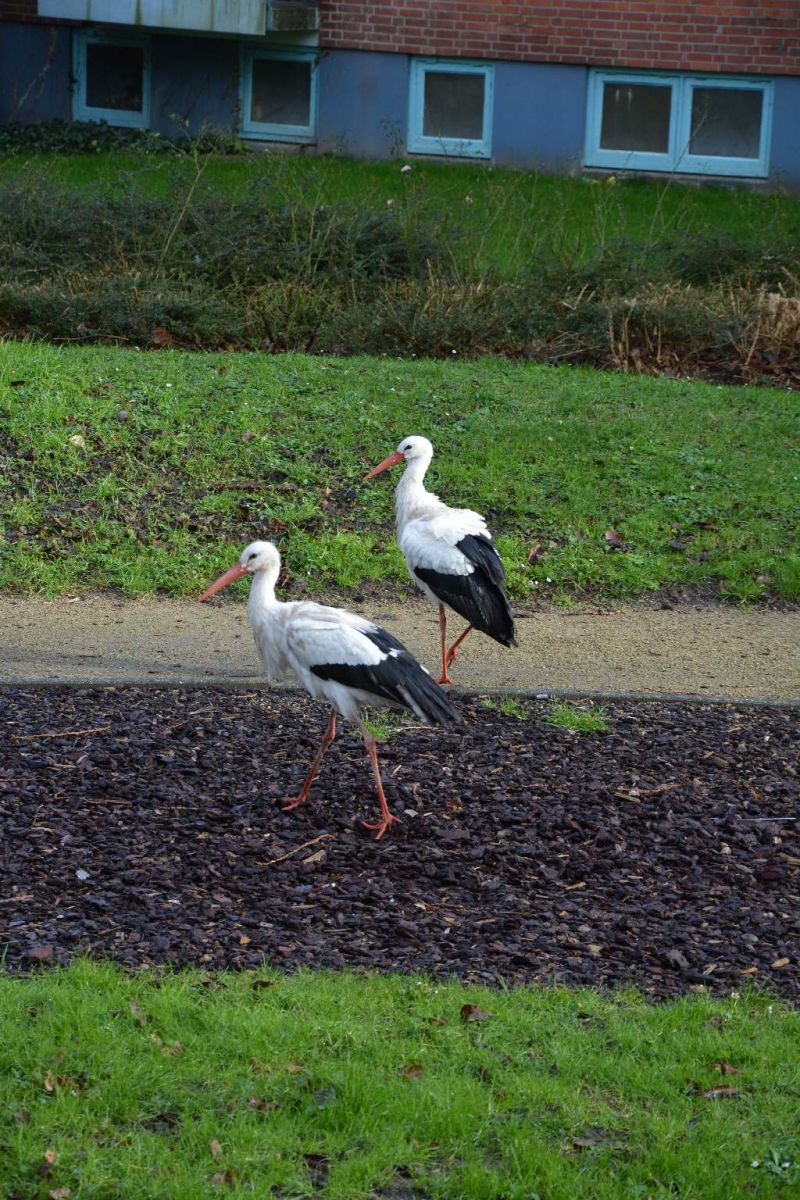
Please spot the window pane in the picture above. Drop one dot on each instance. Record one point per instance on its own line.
(636, 117)
(281, 92)
(726, 122)
(114, 76)
(453, 105)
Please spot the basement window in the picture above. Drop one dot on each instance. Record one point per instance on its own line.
(279, 95)
(717, 125)
(450, 108)
(111, 80)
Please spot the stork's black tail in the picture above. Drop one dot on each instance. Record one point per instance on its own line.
(398, 678)
(479, 597)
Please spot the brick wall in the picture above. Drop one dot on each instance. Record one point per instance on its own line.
(761, 36)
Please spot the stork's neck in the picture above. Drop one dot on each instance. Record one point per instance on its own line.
(262, 590)
(412, 497)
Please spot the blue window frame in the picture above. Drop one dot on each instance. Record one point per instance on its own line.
(279, 94)
(697, 124)
(450, 108)
(111, 79)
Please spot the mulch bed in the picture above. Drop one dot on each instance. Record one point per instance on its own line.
(664, 853)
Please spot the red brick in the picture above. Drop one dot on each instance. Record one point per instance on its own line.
(694, 33)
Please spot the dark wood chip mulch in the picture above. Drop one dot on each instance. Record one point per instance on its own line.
(664, 853)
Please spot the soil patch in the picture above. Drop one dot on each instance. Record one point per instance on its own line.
(145, 824)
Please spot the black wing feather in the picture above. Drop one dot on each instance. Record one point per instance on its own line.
(398, 678)
(479, 597)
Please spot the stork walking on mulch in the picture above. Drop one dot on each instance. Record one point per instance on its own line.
(337, 656)
(449, 553)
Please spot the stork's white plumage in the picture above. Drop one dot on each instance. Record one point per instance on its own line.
(337, 656)
(449, 553)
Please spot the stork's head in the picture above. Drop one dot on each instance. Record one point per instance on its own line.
(411, 450)
(258, 556)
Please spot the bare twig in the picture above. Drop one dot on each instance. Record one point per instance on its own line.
(297, 849)
(33, 737)
(199, 168)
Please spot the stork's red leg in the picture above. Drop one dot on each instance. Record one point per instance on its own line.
(444, 678)
(330, 734)
(386, 817)
(453, 651)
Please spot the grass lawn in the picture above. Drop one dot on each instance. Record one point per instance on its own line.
(504, 219)
(148, 472)
(351, 1086)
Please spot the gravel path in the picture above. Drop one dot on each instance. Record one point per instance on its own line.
(704, 651)
(145, 824)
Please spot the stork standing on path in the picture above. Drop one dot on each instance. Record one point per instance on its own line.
(337, 656)
(449, 553)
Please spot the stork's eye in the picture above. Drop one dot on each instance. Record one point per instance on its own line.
(250, 557)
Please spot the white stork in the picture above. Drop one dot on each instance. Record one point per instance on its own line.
(449, 553)
(337, 656)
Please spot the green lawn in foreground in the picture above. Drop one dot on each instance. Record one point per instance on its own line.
(502, 219)
(186, 457)
(351, 1086)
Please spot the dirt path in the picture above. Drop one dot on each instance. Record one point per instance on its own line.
(705, 652)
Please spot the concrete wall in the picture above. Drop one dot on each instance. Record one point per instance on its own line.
(35, 63)
(785, 158)
(195, 80)
(539, 116)
(362, 108)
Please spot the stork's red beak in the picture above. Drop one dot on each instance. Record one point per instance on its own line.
(236, 572)
(391, 461)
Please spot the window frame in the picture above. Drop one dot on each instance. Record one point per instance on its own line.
(121, 117)
(677, 159)
(267, 130)
(417, 141)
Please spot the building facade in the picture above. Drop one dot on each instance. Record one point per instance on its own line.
(687, 87)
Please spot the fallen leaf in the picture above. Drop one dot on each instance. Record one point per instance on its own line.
(49, 1082)
(412, 1071)
(140, 1017)
(319, 857)
(263, 983)
(162, 337)
(780, 962)
(40, 953)
(248, 437)
(78, 441)
(295, 1068)
(51, 1157)
(215, 1148)
(615, 540)
(535, 553)
(725, 1068)
(226, 1177)
(262, 1105)
(471, 1012)
(724, 1092)
(244, 940)
(59, 1194)
(173, 1049)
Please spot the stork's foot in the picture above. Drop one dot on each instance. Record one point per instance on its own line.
(444, 679)
(291, 802)
(381, 825)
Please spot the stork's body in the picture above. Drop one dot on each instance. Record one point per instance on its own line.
(449, 553)
(337, 656)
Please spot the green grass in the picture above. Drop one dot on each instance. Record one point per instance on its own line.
(506, 219)
(189, 456)
(351, 1086)
(509, 706)
(581, 719)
